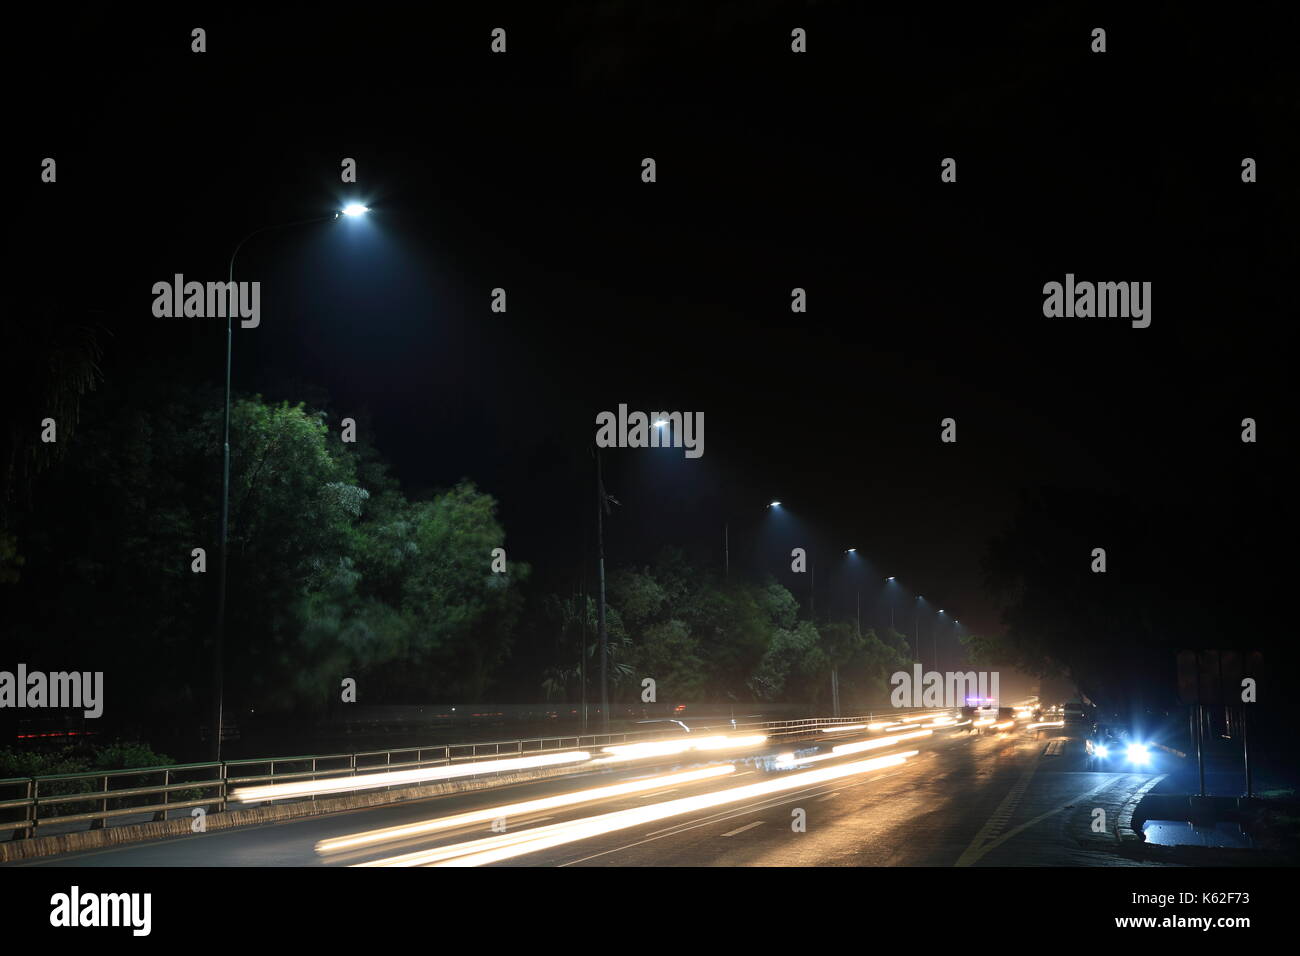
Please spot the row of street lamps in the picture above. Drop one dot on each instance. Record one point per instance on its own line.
(890, 582)
(352, 211)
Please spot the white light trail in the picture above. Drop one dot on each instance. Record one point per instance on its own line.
(388, 834)
(494, 849)
(366, 781)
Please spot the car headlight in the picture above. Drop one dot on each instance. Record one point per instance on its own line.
(1138, 753)
(1101, 750)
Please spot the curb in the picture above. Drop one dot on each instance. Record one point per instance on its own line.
(1124, 831)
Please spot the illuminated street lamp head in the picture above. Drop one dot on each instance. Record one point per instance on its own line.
(850, 550)
(661, 423)
(891, 578)
(355, 209)
(774, 504)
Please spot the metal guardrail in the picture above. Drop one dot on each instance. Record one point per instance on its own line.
(181, 787)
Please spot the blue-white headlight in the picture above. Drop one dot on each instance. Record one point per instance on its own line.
(1139, 754)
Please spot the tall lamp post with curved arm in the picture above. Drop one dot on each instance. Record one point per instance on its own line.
(352, 210)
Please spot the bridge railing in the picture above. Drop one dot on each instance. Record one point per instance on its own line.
(97, 797)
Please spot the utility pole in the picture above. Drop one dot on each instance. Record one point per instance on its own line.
(726, 550)
(602, 505)
(582, 655)
(812, 591)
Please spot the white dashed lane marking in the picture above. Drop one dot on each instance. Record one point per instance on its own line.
(747, 826)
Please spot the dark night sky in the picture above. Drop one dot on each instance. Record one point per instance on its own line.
(774, 171)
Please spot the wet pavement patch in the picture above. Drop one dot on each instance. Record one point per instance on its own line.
(1183, 833)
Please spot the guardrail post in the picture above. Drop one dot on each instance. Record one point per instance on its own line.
(98, 822)
(162, 814)
(28, 832)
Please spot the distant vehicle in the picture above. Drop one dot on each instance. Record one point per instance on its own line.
(1031, 710)
(1102, 746)
(1074, 709)
(1111, 747)
(1004, 720)
(980, 711)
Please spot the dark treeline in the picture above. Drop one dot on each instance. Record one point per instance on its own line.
(338, 572)
(335, 572)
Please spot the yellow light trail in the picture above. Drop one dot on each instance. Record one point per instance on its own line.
(388, 834)
(668, 748)
(788, 760)
(494, 849)
(942, 722)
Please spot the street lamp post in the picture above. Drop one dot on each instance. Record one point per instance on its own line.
(218, 677)
(602, 506)
(890, 595)
(919, 599)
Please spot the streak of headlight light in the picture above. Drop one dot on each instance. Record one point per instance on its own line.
(914, 717)
(728, 743)
(664, 748)
(1004, 725)
(836, 728)
(787, 761)
(941, 722)
(493, 849)
(517, 809)
(879, 725)
(963, 723)
(1047, 723)
(984, 722)
(278, 791)
(840, 750)
(654, 748)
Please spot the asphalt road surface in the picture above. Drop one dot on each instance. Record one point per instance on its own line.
(942, 798)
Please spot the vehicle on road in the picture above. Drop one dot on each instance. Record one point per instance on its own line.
(1076, 710)
(1003, 721)
(1116, 748)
